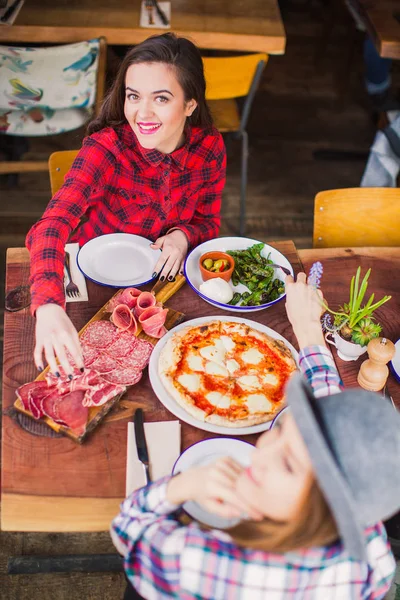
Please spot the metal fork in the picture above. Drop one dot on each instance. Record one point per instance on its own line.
(284, 269)
(72, 289)
(149, 7)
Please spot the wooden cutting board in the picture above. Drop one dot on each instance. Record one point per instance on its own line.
(97, 413)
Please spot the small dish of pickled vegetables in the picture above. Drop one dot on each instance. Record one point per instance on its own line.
(244, 264)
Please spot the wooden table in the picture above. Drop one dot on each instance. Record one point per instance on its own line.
(54, 484)
(339, 266)
(250, 25)
(382, 25)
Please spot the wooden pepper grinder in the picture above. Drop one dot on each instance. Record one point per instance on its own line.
(374, 371)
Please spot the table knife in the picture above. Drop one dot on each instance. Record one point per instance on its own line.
(161, 13)
(141, 442)
(10, 11)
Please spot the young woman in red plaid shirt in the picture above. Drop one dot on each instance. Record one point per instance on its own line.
(153, 165)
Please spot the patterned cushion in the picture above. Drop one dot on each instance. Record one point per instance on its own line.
(47, 90)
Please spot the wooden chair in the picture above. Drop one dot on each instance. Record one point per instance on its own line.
(229, 78)
(14, 148)
(357, 217)
(59, 164)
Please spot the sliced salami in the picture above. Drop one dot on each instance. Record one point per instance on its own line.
(89, 354)
(139, 358)
(152, 320)
(123, 376)
(99, 334)
(145, 300)
(122, 345)
(104, 364)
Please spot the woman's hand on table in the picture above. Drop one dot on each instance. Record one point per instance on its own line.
(55, 334)
(213, 487)
(304, 309)
(174, 247)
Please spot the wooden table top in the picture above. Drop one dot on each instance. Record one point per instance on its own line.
(253, 25)
(54, 484)
(382, 19)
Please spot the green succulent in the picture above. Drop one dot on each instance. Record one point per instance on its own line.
(364, 331)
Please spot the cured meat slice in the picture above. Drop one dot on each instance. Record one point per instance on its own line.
(99, 334)
(123, 376)
(89, 354)
(123, 318)
(98, 397)
(104, 363)
(145, 300)
(127, 296)
(23, 391)
(71, 410)
(152, 320)
(52, 379)
(50, 407)
(122, 345)
(139, 356)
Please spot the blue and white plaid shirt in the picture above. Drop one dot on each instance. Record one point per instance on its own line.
(165, 559)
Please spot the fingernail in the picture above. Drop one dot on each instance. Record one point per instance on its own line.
(162, 278)
(40, 369)
(82, 369)
(154, 274)
(70, 377)
(57, 374)
(170, 278)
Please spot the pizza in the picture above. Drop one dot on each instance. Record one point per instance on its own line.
(226, 373)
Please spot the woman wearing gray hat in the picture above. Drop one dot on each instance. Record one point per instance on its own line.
(311, 502)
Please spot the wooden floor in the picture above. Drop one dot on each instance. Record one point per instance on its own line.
(296, 111)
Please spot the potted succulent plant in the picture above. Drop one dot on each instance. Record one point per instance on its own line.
(354, 324)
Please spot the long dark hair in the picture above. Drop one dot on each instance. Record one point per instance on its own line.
(169, 49)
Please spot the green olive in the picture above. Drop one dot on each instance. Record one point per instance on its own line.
(221, 264)
(208, 264)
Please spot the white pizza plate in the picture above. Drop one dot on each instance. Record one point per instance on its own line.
(180, 412)
(203, 453)
(194, 278)
(395, 362)
(118, 260)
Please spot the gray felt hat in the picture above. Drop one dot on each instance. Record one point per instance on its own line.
(353, 439)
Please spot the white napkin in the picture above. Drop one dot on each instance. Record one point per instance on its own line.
(77, 275)
(158, 24)
(164, 446)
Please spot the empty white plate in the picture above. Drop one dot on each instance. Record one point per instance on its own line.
(118, 260)
(202, 454)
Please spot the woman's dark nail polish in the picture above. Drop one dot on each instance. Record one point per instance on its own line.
(162, 278)
(154, 274)
(70, 377)
(82, 369)
(40, 369)
(57, 374)
(170, 278)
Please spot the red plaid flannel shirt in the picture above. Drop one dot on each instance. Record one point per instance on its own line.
(118, 186)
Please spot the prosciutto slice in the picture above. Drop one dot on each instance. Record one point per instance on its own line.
(24, 390)
(144, 301)
(127, 296)
(123, 318)
(98, 397)
(152, 320)
(72, 412)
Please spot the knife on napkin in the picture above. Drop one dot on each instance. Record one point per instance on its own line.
(141, 442)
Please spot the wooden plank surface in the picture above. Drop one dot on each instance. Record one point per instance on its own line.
(340, 264)
(53, 469)
(382, 25)
(254, 25)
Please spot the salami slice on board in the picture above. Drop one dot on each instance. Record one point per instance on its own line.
(123, 376)
(104, 364)
(122, 345)
(99, 334)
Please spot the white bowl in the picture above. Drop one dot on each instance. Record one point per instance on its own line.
(194, 278)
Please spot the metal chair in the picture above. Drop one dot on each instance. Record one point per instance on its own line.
(228, 78)
(357, 217)
(47, 91)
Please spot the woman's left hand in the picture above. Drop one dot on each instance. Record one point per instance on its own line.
(174, 248)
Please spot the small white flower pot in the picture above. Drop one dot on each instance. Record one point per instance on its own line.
(346, 350)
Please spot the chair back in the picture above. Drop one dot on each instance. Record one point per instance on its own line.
(357, 217)
(50, 90)
(59, 165)
(234, 77)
